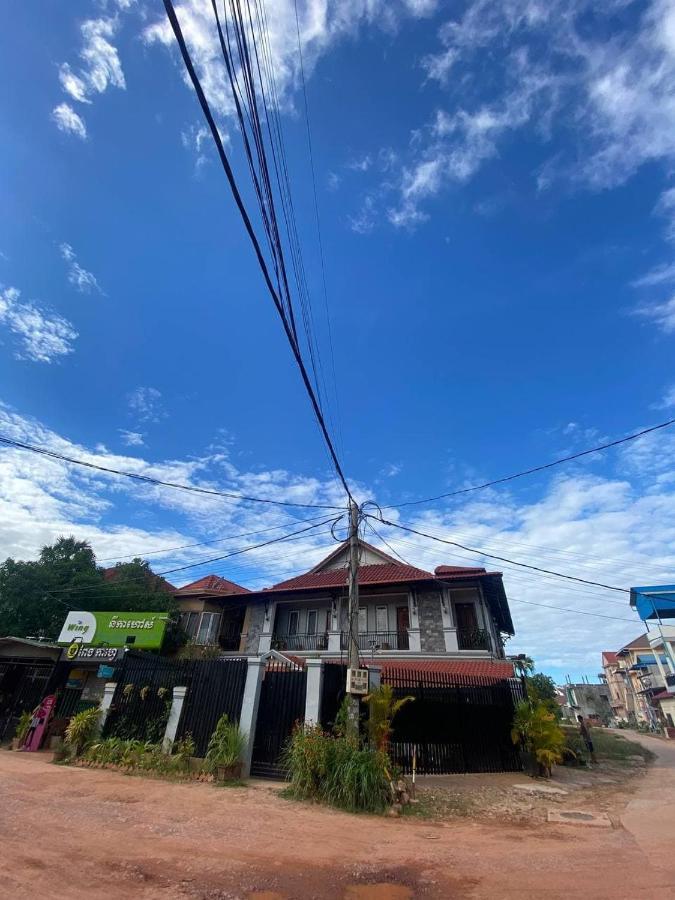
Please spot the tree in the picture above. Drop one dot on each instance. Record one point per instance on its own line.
(36, 595)
(523, 665)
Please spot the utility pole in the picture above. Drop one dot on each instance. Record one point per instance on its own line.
(353, 717)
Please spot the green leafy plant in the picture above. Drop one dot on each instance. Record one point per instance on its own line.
(335, 769)
(382, 709)
(193, 650)
(183, 750)
(226, 748)
(536, 729)
(82, 730)
(22, 726)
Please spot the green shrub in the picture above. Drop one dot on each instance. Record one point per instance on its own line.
(226, 747)
(23, 725)
(536, 729)
(82, 730)
(337, 770)
(382, 709)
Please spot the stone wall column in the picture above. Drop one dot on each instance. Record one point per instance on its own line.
(174, 718)
(449, 628)
(265, 643)
(249, 707)
(313, 696)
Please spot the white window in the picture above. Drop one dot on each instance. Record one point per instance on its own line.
(293, 620)
(312, 617)
(363, 620)
(208, 628)
(190, 623)
(381, 619)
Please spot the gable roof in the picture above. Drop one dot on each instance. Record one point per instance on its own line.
(640, 643)
(386, 573)
(609, 657)
(212, 584)
(344, 548)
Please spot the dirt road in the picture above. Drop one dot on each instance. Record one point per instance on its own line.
(76, 833)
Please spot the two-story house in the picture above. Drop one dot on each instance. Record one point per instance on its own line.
(405, 613)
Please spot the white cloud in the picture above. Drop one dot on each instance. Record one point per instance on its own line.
(132, 438)
(84, 281)
(661, 313)
(43, 337)
(662, 274)
(666, 207)
(146, 404)
(101, 66)
(69, 121)
(668, 399)
(361, 164)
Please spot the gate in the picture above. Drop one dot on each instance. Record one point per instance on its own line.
(333, 692)
(216, 687)
(282, 704)
(454, 724)
(22, 687)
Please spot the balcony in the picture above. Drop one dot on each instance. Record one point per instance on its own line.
(300, 642)
(377, 640)
(473, 639)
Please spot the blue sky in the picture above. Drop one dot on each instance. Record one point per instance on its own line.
(498, 217)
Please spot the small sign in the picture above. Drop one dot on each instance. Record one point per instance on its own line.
(77, 653)
(105, 672)
(357, 681)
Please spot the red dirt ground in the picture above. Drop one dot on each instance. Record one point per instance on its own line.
(76, 833)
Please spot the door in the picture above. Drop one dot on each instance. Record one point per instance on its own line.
(468, 635)
(381, 620)
(282, 704)
(402, 626)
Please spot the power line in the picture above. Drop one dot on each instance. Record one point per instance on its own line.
(541, 468)
(514, 562)
(164, 550)
(147, 479)
(203, 562)
(579, 612)
(285, 315)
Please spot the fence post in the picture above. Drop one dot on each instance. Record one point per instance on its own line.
(106, 701)
(249, 707)
(174, 718)
(313, 695)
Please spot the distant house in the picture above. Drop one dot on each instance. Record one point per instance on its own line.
(454, 618)
(635, 675)
(592, 701)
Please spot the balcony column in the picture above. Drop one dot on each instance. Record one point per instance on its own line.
(313, 695)
(265, 642)
(449, 628)
(334, 626)
(414, 642)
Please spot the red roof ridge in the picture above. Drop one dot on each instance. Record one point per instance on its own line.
(215, 584)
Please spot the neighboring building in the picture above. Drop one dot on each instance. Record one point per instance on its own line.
(635, 675)
(592, 701)
(405, 613)
(25, 669)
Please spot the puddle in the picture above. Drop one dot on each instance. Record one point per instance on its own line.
(579, 817)
(380, 891)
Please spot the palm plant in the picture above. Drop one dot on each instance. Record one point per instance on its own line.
(536, 729)
(382, 709)
(226, 748)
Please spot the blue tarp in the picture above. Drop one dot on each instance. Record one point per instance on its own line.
(654, 602)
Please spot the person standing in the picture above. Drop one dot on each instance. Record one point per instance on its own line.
(585, 730)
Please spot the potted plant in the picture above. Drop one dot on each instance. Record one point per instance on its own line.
(224, 755)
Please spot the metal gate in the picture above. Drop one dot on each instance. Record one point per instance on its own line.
(454, 724)
(216, 687)
(282, 704)
(22, 686)
(333, 692)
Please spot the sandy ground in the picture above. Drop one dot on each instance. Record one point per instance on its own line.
(77, 833)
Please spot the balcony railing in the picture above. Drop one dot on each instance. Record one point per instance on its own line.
(377, 640)
(230, 638)
(473, 639)
(300, 641)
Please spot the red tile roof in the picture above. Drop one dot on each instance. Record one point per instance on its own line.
(664, 695)
(213, 584)
(609, 657)
(459, 570)
(470, 668)
(112, 573)
(387, 573)
(640, 643)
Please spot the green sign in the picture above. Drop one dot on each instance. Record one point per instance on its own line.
(144, 630)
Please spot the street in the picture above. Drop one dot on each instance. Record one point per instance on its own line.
(73, 833)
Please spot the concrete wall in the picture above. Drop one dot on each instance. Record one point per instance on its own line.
(431, 622)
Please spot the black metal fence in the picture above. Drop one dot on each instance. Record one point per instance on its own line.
(282, 704)
(455, 723)
(216, 687)
(22, 687)
(144, 694)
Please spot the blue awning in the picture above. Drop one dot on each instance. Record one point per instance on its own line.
(654, 601)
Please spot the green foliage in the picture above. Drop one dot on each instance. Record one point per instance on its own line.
(337, 770)
(22, 726)
(193, 650)
(226, 746)
(34, 594)
(141, 756)
(536, 729)
(523, 665)
(82, 730)
(382, 708)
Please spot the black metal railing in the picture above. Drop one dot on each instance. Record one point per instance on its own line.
(670, 680)
(230, 638)
(377, 640)
(300, 641)
(473, 639)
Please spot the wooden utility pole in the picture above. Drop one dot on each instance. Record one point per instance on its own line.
(353, 610)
